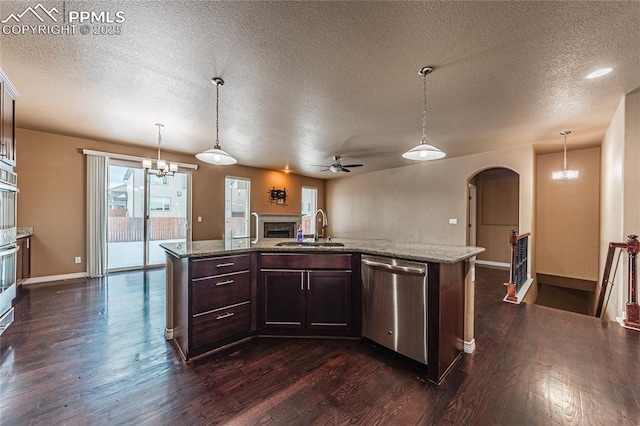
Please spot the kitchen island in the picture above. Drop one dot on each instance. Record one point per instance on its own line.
(223, 292)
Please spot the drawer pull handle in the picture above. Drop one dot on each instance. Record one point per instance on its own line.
(225, 282)
(222, 265)
(227, 315)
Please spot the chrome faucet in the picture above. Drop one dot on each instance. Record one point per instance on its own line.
(325, 223)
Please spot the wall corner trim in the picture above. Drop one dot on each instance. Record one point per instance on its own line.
(470, 347)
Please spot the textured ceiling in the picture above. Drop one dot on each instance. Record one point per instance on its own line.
(308, 80)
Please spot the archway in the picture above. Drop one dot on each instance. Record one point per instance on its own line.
(494, 210)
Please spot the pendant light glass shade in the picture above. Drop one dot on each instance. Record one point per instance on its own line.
(565, 174)
(423, 151)
(216, 155)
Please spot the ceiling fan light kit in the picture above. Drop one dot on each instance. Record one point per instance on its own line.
(423, 151)
(337, 167)
(216, 155)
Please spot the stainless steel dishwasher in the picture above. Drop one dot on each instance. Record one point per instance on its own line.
(394, 304)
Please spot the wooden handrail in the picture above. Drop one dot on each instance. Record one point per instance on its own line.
(516, 265)
(607, 272)
(632, 246)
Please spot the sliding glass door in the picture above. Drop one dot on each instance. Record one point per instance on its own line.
(237, 207)
(125, 216)
(167, 212)
(144, 211)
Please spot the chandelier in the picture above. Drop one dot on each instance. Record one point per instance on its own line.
(423, 151)
(163, 168)
(216, 155)
(565, 174)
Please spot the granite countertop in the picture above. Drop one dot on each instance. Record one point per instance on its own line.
(24, 231)
(421, 252)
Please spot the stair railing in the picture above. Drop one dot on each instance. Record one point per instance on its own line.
(518, 264)
(632, 246)
(606, 275)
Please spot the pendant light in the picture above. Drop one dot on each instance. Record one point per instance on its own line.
(423, 151)
(216, 155)
(565, 174)
(163, 168)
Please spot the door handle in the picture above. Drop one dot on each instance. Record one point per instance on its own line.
(225, 282)
(222, 265)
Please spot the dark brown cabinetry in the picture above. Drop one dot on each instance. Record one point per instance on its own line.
(8, 95)
(23, 259)
(213, 298)
(307, 294)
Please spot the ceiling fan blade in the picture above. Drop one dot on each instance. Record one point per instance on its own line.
(353, 165)
(318, 165)
(346, 170)
(325, 170)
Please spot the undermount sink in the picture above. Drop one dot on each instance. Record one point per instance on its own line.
(307, 244)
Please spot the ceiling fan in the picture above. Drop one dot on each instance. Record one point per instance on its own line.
(337, 167)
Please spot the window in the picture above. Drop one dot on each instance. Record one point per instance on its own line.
(160, 203)
(237, 207)
(164, 180)
(309, 208)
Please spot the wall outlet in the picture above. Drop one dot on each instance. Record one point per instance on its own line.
(453, 221)
(78, 259)
(199, 218)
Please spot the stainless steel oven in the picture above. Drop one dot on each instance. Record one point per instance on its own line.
(8, 246)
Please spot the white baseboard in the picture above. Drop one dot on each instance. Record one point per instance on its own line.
(49, 278)
(470, 347)
(168, 333)
(521, 293)
(621, 319)
(490, 263)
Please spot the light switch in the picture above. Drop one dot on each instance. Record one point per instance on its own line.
(453, 221)
(199, 218)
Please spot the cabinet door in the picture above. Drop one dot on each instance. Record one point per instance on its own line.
(283, 298)
(7, 149)
(329, 299)
(19, 260)
(26, 257)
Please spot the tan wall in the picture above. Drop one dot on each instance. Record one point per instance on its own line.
(414, 203)
(498, 209)
(51, 177)
(612, 201)
(568, 216)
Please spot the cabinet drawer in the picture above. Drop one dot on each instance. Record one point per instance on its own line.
(215, 292)
(306, 261)
(212, 266)
(220, 324)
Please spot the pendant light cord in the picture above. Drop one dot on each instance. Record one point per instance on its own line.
(424, 108)
(565, 151)
(159, 141)
(217, 115)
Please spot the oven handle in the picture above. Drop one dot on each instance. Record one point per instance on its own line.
(8, 188)
(9, 251)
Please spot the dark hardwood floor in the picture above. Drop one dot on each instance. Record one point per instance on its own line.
(93, 353)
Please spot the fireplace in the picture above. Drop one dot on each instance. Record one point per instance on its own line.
(276, 225)
(279, 230)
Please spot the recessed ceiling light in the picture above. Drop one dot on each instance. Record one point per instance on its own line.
(600, 72)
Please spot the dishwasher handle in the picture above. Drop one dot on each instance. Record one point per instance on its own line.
(417, 270)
